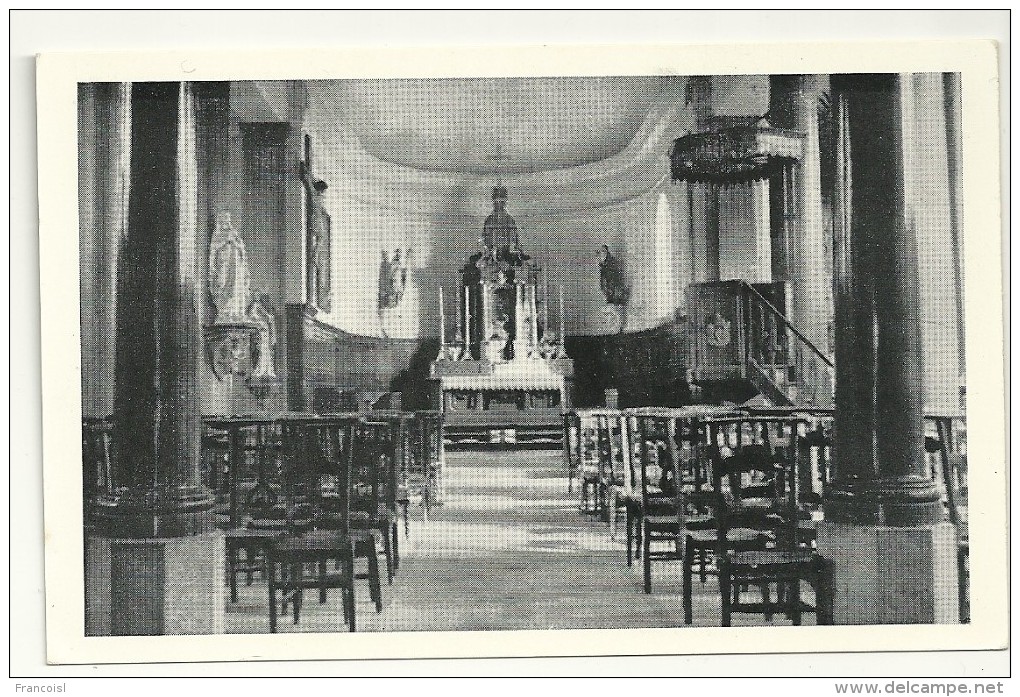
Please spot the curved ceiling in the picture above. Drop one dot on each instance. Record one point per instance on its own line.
(485, 125)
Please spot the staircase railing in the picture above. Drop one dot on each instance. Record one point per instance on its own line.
(783, 363)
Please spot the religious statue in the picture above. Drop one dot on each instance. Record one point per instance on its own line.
(393, 273)
(265, 369)
(318, 258)
(228, 272)
(611, 278)
(500, 231)
(501, 249)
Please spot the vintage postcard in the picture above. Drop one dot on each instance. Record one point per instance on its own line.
(592, 350)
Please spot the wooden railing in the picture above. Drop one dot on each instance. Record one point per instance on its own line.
(783, 363)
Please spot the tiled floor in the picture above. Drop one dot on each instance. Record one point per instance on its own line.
(508, 549)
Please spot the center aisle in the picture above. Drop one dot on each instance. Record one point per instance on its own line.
(509, 550)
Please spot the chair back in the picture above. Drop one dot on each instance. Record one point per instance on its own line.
(371, 464)
(316, 461)
(751, 493)
(658, 465)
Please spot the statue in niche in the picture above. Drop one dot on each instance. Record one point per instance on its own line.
(393, 273)
(228, 272)
(611, 278)
(265, 368)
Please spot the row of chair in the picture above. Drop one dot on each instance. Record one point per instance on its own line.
(728, 490)
(304, 497)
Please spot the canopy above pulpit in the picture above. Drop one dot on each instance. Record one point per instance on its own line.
(735, 155)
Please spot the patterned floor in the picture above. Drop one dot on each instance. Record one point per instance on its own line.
(507, 550)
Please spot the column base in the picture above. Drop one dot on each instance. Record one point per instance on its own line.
(158, 586)
(892, 575)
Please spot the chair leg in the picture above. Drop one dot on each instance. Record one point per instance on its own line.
(232, 573)
(272, 606)
(388, 549)
(322, 581)
(766, 599)
(396, 546)
(374, 584)
(647, 562)
(612, 514)
(249, 559)
(285, 573)
(703, 565)
(404, 506)
(349, 601)
(298, 599)
(725, 590)
(639, 526)
(688, 579)
(795, 602)
(823, 591)
(630, 538)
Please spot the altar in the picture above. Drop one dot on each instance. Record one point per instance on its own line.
(505, 377)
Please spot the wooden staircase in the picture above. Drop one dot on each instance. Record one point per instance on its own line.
(742, 344)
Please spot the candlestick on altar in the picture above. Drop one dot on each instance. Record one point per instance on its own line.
(545, 301)
(533, 291)
(467, 323)
(563, 323)
(518, 313)
(442, 327)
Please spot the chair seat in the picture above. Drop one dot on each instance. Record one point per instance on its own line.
(700, 522)
(771, 557)
(663, 522)
(732, 535)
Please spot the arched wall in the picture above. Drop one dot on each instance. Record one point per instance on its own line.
(563, 217)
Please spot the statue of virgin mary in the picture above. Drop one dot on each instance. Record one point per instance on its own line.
(228, 272)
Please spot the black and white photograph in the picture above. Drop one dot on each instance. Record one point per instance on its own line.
(521, 348)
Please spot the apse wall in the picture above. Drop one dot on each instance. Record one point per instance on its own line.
(563, 219)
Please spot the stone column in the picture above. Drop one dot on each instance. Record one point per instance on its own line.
(812, 287)
(894, 561)
(799, 252)
(153, 562)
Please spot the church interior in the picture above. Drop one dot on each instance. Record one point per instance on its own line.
(522, 353)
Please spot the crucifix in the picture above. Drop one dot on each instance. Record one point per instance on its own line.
(318, 259)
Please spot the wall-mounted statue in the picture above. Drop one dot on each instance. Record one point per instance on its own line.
(228, 272)
(611, 278)
(318, 259)
(265, 340)
(393, 272)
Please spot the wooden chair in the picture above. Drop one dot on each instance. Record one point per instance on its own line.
(373, 469)
(302, 562)
(589, 461)
(763, 484)
(732, 527)
(322, 450)
(617, 474)
(662, 507)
